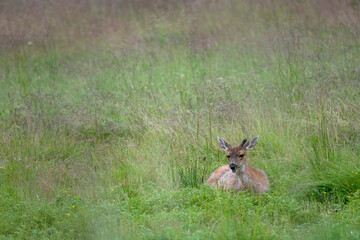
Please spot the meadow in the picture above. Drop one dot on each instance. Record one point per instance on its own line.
(110, 112)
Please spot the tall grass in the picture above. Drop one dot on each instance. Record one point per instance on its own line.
(109, 112)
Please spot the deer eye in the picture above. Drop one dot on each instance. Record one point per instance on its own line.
(241, 155)
(228, 156)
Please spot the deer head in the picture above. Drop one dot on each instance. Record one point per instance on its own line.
(237, 154)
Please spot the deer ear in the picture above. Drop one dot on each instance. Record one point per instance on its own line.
(252, 143)
(243, 142)
(223, 144)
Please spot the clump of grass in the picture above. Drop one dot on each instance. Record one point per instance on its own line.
(193, 166)
(41, 219)
(334, 167)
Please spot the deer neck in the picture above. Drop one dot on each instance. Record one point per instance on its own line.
(243, 175)
(243, 170)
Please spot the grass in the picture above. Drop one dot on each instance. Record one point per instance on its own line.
(109, 115)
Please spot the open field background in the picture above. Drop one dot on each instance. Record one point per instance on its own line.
(109, 112)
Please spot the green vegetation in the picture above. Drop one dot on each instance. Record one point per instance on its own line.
(109, 113)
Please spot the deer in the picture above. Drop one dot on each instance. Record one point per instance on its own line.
(239, 175)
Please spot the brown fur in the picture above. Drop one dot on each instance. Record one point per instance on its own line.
(245, 177)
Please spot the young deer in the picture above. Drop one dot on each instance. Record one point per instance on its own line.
(239, 175)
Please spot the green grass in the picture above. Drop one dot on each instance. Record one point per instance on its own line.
(109, 116)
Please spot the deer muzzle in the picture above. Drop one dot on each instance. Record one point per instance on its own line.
(233, 167)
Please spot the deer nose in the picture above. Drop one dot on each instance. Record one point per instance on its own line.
(232, 166)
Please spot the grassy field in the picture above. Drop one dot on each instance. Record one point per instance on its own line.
(109, 113)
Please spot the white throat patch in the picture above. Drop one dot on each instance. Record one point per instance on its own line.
(242, 168)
